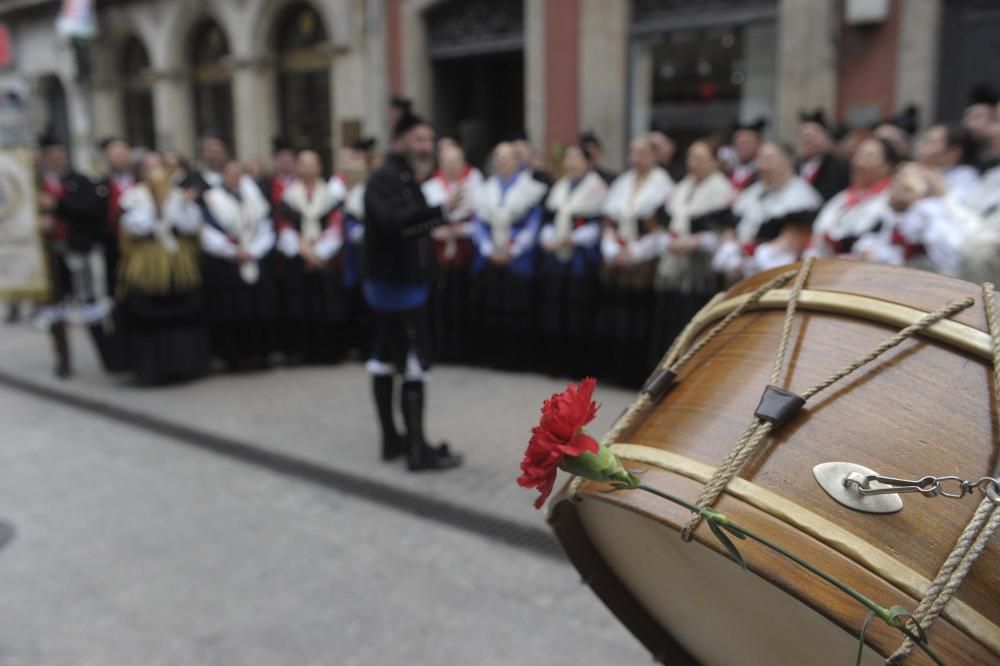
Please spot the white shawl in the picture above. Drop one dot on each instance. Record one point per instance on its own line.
(240, 219)
(693, 198)
(628, 206)
(141, 217)
(693, 272)
(312, 208)
(585, 200)
(756, 205)
(839, 220)
(501, 211)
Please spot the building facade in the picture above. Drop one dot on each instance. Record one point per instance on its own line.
(320, 72)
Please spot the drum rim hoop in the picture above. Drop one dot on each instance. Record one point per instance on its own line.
(950, 332)
(963, 616)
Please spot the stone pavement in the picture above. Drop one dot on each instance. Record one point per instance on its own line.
(325, 415)
(132, 549)
(128, 550)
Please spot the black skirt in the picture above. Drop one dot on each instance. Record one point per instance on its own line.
(567, 311)
(622, 328)
(163, 336)
(449, 314)
(241, 316)
(505, 326)
(314, 311)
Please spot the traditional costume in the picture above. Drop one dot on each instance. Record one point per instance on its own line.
(75, 267)
(848, 216)
(110, 190)
(508, 219)
(568, 286)
(635, 209)
(160, 309)
(928, 235)
(241, 298)
(398, 264)
(827, 173)
(761, 214)
(454, 248)
(698, 209)
(314, 299)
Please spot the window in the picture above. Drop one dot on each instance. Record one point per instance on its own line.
(211, 77)
(304, 81)
(699, 66)
(137, 95)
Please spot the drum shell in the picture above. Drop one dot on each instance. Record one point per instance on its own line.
(925, 407)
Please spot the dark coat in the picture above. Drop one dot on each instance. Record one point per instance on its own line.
(82, 211)
(398, 222)
(832, 177)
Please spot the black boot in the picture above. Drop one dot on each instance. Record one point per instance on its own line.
(421, 455)
(393, 445)
(60, 344)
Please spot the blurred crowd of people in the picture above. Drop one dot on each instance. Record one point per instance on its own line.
(562, 266)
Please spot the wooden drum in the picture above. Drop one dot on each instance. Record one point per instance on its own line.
(923, 408)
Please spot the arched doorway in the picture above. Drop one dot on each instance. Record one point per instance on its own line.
(137, 94)
(211, 78)
(304, 80)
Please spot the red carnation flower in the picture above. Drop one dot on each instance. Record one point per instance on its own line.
(558, 435)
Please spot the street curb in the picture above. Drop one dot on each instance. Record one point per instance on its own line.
(496, 528)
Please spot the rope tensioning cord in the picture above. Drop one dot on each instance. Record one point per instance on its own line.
(778, 405)
(981, 526)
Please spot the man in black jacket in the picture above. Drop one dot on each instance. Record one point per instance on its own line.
(71, 215)
(398, 265)
(817, 163)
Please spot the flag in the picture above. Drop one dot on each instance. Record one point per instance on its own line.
(76, 19)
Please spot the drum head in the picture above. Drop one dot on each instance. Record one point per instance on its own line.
(718, 613)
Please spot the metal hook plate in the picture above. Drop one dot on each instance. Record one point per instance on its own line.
(831, 476)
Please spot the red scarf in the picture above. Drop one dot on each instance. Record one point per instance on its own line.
(856, 195)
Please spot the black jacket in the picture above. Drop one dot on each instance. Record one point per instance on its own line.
(82, 211)
(832, 177)
(398, 222)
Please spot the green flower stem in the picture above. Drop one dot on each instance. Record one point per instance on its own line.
(720, 519)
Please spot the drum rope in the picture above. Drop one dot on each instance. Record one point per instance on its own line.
(983, 523)
(759, 428)
(628, 419)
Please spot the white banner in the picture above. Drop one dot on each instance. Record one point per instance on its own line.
(23, 271)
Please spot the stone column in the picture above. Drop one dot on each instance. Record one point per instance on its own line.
(534, 72)
(109, 112)
(416, 62)
(173, 113)
(604, 48)
(807, 63)
(253, 110)
(917, 56)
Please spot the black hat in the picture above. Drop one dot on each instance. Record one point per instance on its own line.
(402, 103)
(49, 140)
(983, 93)
(280, 143)
(817, 116)
(364, 144)
(108, 140)
(840, 130)
(518, 135)
(407, 121)
(588, 138)
(758, 125)
(907, 120)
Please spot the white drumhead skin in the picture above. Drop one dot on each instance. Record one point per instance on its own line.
(721, 615)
